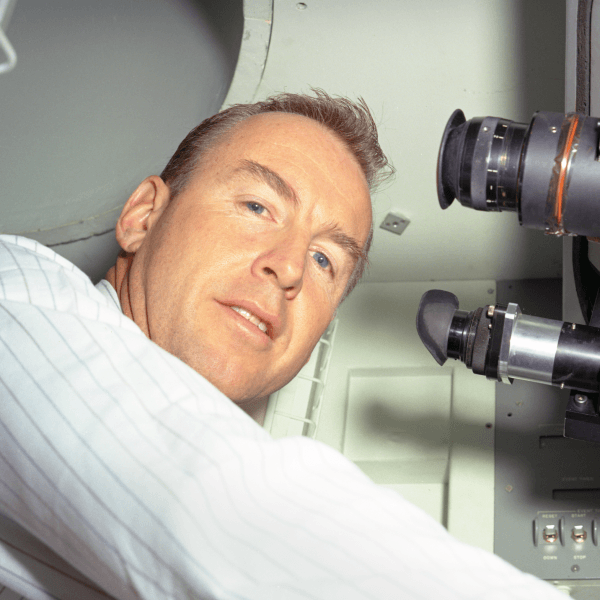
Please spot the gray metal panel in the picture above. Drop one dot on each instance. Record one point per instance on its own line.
(537, 469)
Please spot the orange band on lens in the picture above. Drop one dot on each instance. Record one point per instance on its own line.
(564, 167)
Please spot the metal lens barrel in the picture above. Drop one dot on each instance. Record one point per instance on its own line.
(458, 335)
(503, 344)
(547, 170)
(479, 162)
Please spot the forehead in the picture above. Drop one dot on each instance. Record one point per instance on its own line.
(273, 134)
(310, 157)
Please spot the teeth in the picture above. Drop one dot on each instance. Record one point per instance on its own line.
(252, 318)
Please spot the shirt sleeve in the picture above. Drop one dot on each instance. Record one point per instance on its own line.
(145, 478)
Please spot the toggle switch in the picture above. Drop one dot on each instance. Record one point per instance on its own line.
(579, 534)
(550, 534)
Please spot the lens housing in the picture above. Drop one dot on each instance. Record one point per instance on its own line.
(479, 162)
(548, 170)
(448, 332)
(502, 343)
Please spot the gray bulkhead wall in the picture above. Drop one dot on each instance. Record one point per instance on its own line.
(103, 91)
(99, 98)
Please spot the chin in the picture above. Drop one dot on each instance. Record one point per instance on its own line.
(242, 395)
(242, 383)
(240, 389)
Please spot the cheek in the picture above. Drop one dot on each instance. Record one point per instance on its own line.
(313, 319)
(209, 246)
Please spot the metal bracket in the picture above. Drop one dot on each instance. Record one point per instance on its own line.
(395, 223)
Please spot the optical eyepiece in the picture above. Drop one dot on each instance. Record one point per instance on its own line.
(448, 332)
(547, 170)
(479, 161)
(502, 343)
(434, 319)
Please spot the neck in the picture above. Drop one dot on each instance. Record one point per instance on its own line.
(257, 409)
(118, 277)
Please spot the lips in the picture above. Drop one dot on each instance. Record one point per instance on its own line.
(252, 318)
(268, 323)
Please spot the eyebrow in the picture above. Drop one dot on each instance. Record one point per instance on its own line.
(279, 185)
(284, 189)
(348, 243)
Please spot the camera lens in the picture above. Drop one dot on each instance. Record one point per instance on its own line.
(460, 335)
(448, 332)
(548, 170)
(479, 162)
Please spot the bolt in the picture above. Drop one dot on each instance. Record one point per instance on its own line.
(490, 311)
(580, 399)
(553, 129)
(572, 325)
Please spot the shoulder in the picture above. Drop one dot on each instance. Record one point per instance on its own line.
(18, 253)
(33, 274)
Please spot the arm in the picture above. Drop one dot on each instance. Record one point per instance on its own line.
(138, 472)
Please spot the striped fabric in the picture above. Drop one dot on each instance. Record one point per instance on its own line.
(151, 484)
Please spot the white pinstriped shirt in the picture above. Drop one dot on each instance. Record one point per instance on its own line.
(147, 480)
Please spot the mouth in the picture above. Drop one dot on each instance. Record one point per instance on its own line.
(264, 327)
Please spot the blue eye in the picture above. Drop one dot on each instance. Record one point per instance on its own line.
(255, 207)
(321, 259)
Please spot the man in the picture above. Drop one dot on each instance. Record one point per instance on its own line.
(290, 192)
(121, 449)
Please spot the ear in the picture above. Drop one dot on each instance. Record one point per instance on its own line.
(141, 211)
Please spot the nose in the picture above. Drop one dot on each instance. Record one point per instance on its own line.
(284, 263)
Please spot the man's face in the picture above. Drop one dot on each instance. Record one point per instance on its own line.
(242, 272)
